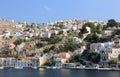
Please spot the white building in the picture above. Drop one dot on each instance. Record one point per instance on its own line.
(98, 47)
(76, 39)
(16, 34)
(45, 35)
(19, 25)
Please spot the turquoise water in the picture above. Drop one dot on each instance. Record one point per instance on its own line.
(57, 73)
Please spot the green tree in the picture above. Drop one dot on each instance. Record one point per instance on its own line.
(71, 46)
(92, 38)
(91, 25)
(112, 23)
(116, 32)
(50, 62)
(18, 41)
(118, 25)
(75, 58)
(61, 48)
(39, 45)
(5, 52)
(54, 39)
(99, 28)
(85, 54)
(52, 48)
(46, 50)
(83, 30)
(16, 56)
(94, 57)
(60, 32)
(88, 38)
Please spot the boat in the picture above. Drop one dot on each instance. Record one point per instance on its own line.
(47, 67)
(52, 67)
(115, 69)
(35, 67)
(1, 67)
(17, 67)
(80, 67)
(104, 69)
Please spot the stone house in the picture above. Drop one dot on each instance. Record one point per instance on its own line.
(106, 33)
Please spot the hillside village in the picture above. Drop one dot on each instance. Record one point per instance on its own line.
(76, 42)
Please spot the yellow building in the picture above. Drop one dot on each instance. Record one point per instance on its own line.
(42, 61)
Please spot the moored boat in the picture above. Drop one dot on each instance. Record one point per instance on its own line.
(35, 67)
(52, 67)
(1, 67)
(17, 67)
(104, 69)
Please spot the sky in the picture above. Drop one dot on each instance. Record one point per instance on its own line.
(41, 11)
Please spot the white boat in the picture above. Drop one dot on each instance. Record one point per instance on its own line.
(116, 69)
(2, 67)
(104, 68)
(47, 67)
(17, 67)
(52, 67)
(35, 67)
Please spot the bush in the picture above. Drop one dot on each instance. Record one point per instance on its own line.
(92, 38)
(91, 25)
(18, 41)
(61, 48)
(94, 57)
(46, 50)
(112, 23)
(49, 62)
(39, 45)
(71, 46)
(75, 58)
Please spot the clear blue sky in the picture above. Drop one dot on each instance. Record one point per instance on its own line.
(49, 10)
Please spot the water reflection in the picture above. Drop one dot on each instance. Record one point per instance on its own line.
(57, 73)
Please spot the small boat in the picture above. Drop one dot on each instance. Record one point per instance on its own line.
(35, 67)
(104, 69)
(52, 67)
(47, 67)
(1, 67)
(17, 67)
